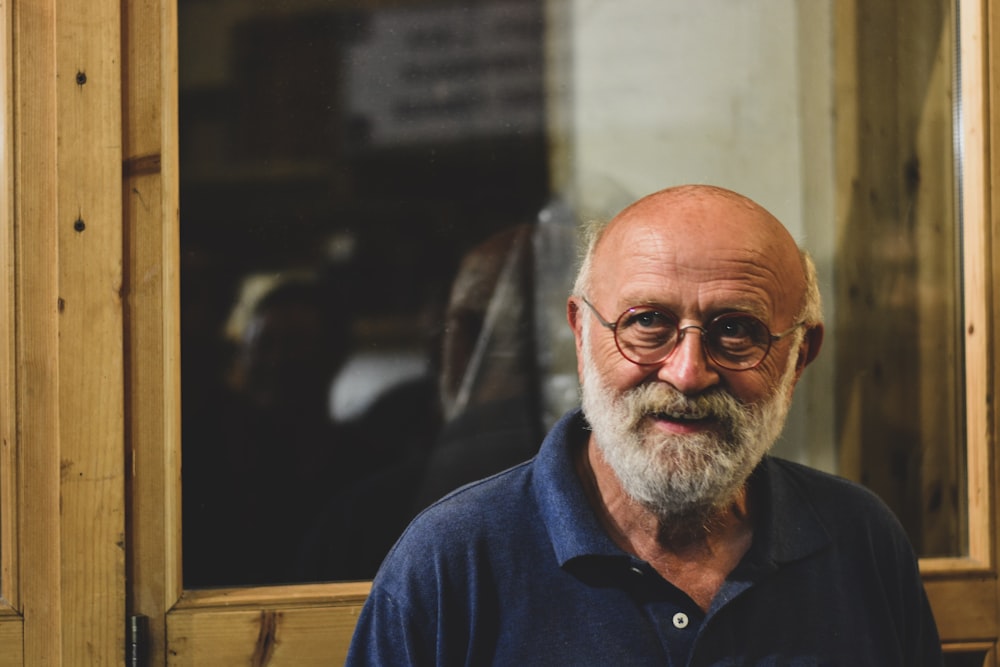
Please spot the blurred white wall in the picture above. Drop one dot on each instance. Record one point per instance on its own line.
(644, 94)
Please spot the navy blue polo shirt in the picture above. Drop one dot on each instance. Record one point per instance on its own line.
(516, 570)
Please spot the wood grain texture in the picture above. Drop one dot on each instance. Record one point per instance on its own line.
(88, 224)
(9, 480)
(11, 644)
(37, 338)
(296, 625)
(979, 78)
(151, 210)
(69, 340)
(296, 638)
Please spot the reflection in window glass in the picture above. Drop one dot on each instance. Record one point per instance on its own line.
(379, 205)
(899, 382)
(361, 191)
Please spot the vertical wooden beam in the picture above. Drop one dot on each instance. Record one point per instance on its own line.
(979, 164)
(152, 311)
(35, 191)
(67, 196)
(89, 232)
(11, 623)
(9, 577)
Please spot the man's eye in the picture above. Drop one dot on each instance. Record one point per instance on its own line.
(734, 332)
(649, 319)
(734, 328)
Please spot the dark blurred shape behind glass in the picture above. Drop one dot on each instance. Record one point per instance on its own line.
(360, 194)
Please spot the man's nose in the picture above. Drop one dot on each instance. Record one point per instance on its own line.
(688, 367)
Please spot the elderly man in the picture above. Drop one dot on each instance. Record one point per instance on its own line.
(652, 528)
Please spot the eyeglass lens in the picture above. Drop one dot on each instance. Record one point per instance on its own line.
(734, 340)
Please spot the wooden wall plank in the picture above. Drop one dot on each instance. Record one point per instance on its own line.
(977, 81)
(67, 196)
(91, 394)
(965, 608)
(11, 644)
(298, 637)
(9, 576)
(152, 311)
(37, 332)
(297, 625)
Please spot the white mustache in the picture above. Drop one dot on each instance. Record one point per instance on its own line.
(660, 399)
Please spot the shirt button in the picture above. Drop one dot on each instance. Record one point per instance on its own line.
(636, 571)
(680, 620)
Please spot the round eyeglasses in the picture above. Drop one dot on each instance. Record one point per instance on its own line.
(734, 341)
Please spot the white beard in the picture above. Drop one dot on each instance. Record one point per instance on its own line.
(682, 479)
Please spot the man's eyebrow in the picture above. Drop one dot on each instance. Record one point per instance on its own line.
(656, 304)
(761, 311)
(761, 314)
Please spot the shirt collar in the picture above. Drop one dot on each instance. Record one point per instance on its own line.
(571, 523)
(787, 528)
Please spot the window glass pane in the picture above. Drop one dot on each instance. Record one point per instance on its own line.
(897, 289)
(379, 211)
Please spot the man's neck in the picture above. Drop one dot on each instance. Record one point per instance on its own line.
(695, 554)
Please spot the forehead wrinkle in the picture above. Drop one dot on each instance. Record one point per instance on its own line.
(710, 254)
(767, 289)
(736, 283)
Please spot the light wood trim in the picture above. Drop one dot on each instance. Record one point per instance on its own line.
(152, 311)
(9, 577)
(37, 336)
(292, 625)
(990, 92)
(251, 636)
(11, 646)
(68, 342)
(965, 607)
(985, 650)
(91, 375)
(976, 218)
(939, 567)
(277, 596)
(154, 520)
(11, 623)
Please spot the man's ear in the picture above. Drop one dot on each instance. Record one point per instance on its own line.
(809, 348)
(574, 315)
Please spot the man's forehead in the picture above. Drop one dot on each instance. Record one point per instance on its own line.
(702, 240)
(696, 234)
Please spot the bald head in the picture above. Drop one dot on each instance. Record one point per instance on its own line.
(702, 232)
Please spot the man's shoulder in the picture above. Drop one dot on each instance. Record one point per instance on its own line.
(820, 480)
(504, 503)
(472, 519)
(496, 498)
(838, 501)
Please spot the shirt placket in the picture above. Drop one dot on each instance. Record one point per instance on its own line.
(675, 618)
